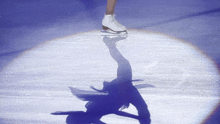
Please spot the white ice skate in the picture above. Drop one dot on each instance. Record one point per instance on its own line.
(110, 24)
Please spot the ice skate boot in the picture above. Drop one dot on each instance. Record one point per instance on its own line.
(110, 24)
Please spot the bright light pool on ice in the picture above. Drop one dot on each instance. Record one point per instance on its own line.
(186, 80)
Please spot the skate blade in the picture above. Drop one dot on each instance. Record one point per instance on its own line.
(110, 34)
(110, 31)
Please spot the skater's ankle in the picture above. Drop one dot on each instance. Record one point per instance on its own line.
(109, 13)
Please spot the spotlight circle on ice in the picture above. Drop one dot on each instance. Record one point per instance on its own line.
(185, 79)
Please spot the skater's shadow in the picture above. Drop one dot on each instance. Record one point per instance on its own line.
(114, 96)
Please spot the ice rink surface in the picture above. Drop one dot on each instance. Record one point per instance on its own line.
(46, 46)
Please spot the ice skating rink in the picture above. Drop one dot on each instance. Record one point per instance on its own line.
(47, 46)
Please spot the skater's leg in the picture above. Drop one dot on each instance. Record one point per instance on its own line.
(109, 21)
(110, 8)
